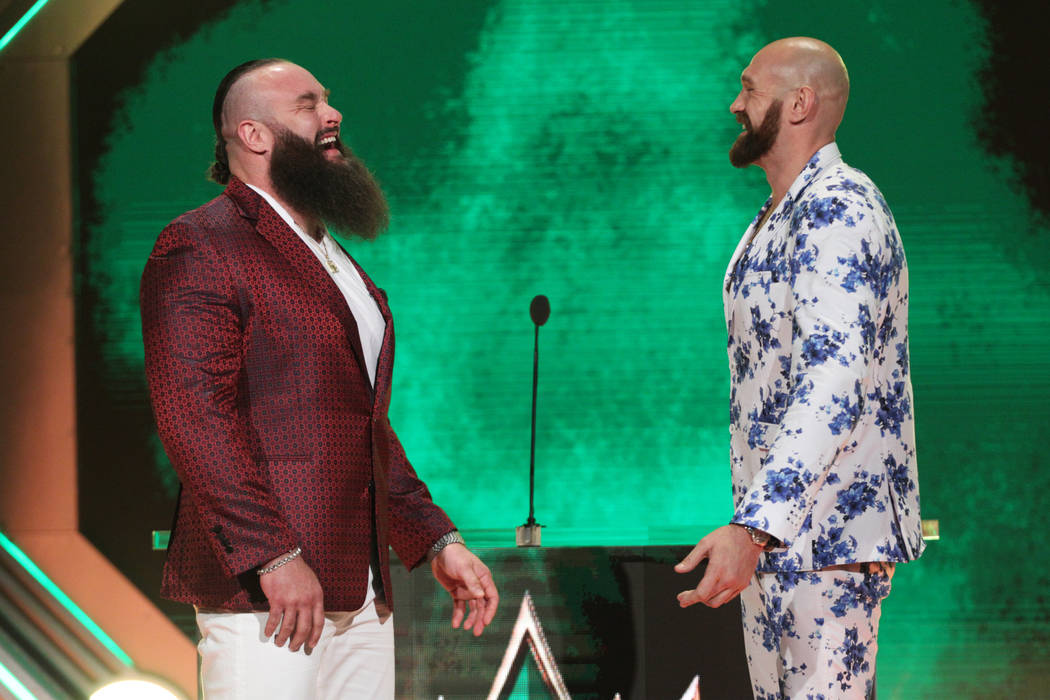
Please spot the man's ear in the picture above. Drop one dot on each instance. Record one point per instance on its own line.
(803, 104)
(255, 136)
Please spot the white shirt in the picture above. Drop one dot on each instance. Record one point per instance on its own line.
(370, 324)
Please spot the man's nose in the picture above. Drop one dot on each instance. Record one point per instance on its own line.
(331, 116)
(737, 105)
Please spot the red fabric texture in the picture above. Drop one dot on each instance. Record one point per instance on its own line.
(264, 406)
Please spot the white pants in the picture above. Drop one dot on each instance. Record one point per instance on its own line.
(814, 634)
(353, 659)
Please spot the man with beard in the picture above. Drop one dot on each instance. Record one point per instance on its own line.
(269, 355)
(822, 440)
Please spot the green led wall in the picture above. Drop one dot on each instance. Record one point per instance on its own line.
(578, 149)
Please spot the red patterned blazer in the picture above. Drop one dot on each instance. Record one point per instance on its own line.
(264, 406)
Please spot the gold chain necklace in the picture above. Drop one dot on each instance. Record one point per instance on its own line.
(331, 263)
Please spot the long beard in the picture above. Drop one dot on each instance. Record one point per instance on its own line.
(341, 193)
(752, 144)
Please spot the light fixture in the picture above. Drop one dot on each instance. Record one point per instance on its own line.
(136, 689)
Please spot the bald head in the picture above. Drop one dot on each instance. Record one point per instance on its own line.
(791, 101)
(798, 62)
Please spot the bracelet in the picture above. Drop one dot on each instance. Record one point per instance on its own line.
(445, 540)
(281, 562)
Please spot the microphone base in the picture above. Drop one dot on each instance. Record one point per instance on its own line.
(528, 535)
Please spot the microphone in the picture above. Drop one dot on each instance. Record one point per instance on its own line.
(540, 309)
(528, 535)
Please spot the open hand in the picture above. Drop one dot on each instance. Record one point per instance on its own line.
(468, 581)
(731, 561)
(296, 605)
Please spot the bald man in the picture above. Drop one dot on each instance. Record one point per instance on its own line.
(822, 440)
(269, 354)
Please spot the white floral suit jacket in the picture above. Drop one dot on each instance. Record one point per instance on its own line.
(822, 434)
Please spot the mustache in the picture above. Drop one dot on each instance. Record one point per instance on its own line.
(331, 131)
(325, 133)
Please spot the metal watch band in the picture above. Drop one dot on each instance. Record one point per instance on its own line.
(445, 540)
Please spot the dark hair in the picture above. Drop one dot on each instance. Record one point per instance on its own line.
(220, 169)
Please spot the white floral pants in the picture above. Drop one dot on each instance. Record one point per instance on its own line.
(814, 634)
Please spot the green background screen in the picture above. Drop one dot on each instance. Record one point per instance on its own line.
(578, 149)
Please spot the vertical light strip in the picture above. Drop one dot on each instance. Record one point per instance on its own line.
(19, 556)
(13, 685)
(13, 31)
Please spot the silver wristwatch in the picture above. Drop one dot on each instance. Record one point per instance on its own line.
(763, 539)
(445, 540)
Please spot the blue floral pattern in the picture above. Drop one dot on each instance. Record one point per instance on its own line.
(822, 434)
(814, 634)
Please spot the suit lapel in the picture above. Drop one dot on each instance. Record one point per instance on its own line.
(384, 364)
(778, 223)
(741, 246)
(727, 287)
(270, 225)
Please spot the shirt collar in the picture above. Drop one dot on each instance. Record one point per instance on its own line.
(281, 211)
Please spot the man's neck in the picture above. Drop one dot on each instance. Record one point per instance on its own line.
(783, 165)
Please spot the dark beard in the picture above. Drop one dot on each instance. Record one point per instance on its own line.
(341, 193)
(753, 144)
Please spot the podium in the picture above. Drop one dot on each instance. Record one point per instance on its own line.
(606, 622)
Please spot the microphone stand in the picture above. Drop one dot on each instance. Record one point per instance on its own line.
(528, 535)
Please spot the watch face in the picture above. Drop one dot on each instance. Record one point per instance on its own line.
(757, 537)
